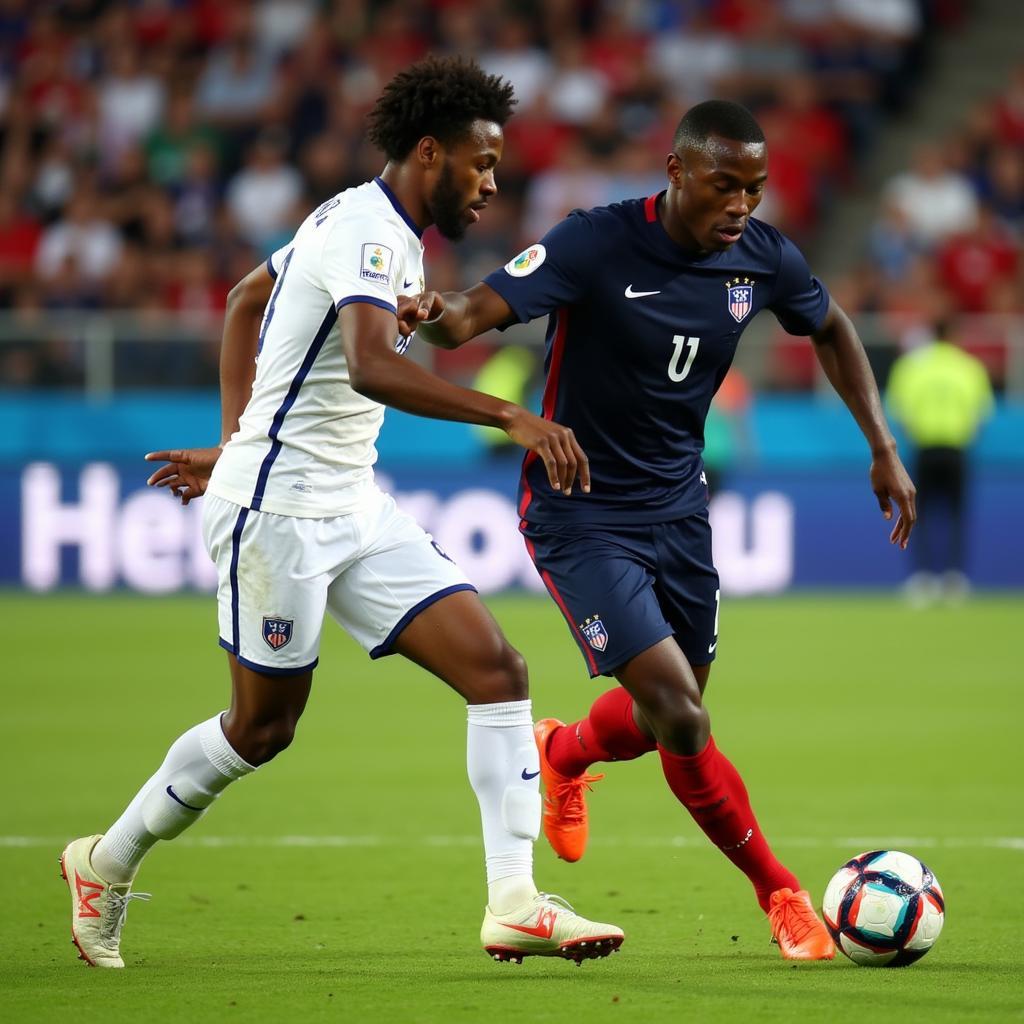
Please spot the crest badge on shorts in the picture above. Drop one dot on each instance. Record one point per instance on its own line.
(596, 635)
(741, 297)
(277, 632)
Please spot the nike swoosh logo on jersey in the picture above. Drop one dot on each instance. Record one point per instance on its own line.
(630, 294)
(174, 796)
(530, 775)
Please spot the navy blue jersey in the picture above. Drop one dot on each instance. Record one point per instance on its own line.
(641, 335)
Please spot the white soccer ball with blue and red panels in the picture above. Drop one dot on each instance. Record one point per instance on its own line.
(884, 909)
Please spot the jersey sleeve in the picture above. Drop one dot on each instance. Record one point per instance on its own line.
(361, 261)
(550, 273)
(276, 260)
(800, 300)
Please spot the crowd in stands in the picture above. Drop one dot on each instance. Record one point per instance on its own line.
(948, 242)
(153, 152)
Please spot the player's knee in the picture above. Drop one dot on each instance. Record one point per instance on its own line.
(511, 681)
(678, 719)
(260, 742)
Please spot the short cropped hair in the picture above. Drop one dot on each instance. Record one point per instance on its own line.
(438, 96)
(723, 118)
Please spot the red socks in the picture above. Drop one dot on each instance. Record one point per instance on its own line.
(711, 789)
(707, 785)
(608, 733)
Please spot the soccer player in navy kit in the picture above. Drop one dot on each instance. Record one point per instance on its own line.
(647, 300)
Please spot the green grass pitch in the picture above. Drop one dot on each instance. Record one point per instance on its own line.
(344, 881)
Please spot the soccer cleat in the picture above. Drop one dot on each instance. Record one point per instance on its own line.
(547, 926)
(799, 932)
(98, 907)
(565, 806)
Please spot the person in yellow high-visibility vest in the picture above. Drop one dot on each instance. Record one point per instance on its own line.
(941, 396)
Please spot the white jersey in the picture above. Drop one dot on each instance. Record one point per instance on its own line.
(305, 445)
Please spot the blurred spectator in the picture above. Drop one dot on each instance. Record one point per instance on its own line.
(19, 238)
(941, 396)
(936, 201)
(130, 103)
(577, 91)
(82, 243)
(695, 59)
(515, 56)
(170, 144)
(237, 84)
(973, 263)
(263, 197)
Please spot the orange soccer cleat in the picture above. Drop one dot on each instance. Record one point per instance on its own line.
(797, 929)
(565, 806)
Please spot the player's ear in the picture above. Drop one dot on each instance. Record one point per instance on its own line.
(674, 166)
(429, 152)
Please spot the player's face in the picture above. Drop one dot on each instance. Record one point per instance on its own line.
(715, 190)
(465, 182)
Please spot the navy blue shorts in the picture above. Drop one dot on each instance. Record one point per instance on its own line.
(623, 589)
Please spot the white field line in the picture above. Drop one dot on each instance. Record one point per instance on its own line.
(663, 842)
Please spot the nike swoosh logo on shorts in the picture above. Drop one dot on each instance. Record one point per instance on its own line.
(630, 294)
(711, 647)
(408, 284)
(530, 775)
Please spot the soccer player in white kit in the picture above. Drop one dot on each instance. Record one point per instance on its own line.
(297, 526)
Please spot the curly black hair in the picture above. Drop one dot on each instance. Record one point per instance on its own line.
(438, 96)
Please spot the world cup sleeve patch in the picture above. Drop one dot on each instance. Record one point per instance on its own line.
(527, 261)
(375, 264)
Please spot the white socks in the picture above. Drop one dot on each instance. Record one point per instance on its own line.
(504, 771)
(197, 768)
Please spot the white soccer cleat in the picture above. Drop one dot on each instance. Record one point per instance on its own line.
(98, 907)
(547, 926)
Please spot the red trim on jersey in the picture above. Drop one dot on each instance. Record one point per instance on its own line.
(548, 401)
(651, 208)
(553, 591)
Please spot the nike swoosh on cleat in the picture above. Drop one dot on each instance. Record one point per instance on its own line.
(630, 294)
(543, 929)
(174, 796)
(530, 775)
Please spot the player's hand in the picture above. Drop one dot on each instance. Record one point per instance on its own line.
(891, 483)
(187, 471)
(556, 445)
(414, 309)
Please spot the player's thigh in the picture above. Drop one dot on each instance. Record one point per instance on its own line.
(400, 573)
(273, 574)
(688, 588)
(458, 640)
(602, 579)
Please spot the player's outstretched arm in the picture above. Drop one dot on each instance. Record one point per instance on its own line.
(842, 357)
(450, 319)
(187, 470)
(377, 371)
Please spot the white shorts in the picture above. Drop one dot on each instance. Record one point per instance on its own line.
(374, 570)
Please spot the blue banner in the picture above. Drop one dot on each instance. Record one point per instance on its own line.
(96, 525)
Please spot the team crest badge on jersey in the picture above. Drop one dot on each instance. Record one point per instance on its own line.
(741, 297)
(527, 261)
(277, 632)
(593, 629)
(375, 264)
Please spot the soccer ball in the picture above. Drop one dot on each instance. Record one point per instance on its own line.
(884, 909)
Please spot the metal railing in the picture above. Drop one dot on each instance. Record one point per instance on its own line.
(101, 352)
